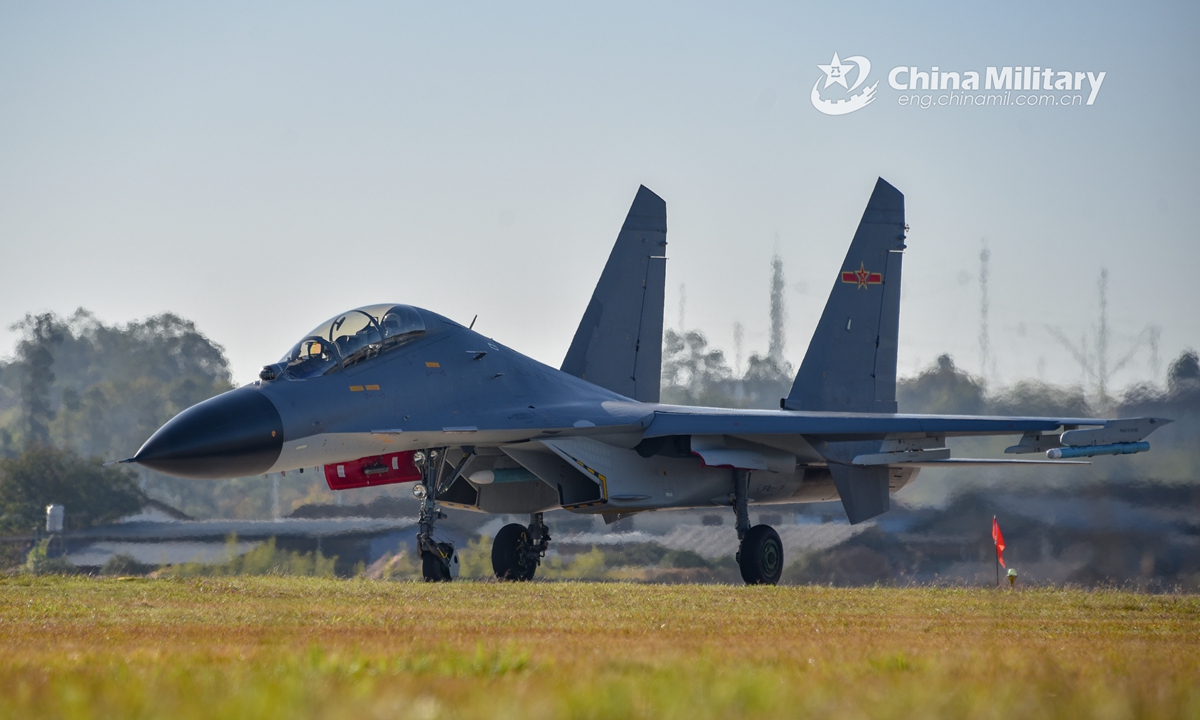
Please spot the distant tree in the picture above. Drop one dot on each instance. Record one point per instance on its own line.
(1031, 397)
(38, 561)
(1182, 396)
(122, 564)
(696, 374)
(43, 475)
(111, 386)
(43, 333)
(767, 379)
(692, 372)
(1183, 378)
(941, 388)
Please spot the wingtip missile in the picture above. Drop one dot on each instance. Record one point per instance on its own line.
(1093, 450)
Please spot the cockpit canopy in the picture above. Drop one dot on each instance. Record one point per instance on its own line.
(349, 339)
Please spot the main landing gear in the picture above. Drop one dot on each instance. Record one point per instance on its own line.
(518, 550)
(439, 561)
(760, 552)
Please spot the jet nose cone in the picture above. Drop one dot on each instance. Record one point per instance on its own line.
(234, 434)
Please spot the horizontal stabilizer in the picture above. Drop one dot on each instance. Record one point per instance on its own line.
(864, 490)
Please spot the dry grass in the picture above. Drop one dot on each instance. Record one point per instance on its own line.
(306, 647)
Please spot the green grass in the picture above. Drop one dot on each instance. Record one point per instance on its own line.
(294, 647)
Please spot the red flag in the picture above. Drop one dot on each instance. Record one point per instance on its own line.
(999, 540)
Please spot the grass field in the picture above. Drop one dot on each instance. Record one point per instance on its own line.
(301, 647)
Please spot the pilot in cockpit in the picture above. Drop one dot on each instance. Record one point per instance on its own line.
(349, 339)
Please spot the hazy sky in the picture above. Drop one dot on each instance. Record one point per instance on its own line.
(260, 167)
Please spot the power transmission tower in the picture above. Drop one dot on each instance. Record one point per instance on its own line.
(986, 362)
(682, 307)
(1093, 361)
(1102, 338)
(778, 312)
(739, 336)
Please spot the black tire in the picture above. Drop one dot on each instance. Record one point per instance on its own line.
(510, 561)
(434, 568)
(760, 557)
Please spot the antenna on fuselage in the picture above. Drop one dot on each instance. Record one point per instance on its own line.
(472, 325)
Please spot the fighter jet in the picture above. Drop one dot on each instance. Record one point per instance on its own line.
(393, 393)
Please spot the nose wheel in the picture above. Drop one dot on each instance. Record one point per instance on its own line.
(439, 564)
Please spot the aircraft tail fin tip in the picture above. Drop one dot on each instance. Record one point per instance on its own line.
(850, 365)
(618, 344)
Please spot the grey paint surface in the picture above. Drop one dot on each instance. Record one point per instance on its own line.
(457, 389)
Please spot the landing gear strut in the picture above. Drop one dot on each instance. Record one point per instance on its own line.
(439, 561)
(760, 552)
(518, 550)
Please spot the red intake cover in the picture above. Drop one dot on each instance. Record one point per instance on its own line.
(373, 470)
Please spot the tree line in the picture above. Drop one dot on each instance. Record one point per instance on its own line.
(79, 392)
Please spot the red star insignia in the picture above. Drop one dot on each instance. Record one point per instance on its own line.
(862, 277)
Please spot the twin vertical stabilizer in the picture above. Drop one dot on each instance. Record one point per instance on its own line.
(850, 365)
(618, 345)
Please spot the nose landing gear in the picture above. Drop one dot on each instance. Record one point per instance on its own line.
(439, 560)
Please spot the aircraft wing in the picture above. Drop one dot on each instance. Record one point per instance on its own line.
(865, 450)
(835, 426)
(916, 440)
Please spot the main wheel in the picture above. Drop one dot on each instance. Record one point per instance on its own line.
(760, 557)
(434, 567)
(510, 561)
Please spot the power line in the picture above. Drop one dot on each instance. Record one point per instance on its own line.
(1093, 358)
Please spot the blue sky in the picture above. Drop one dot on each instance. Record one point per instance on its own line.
(260, 167)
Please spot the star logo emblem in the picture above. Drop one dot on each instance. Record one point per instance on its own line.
(862, 277)
(835, 72)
